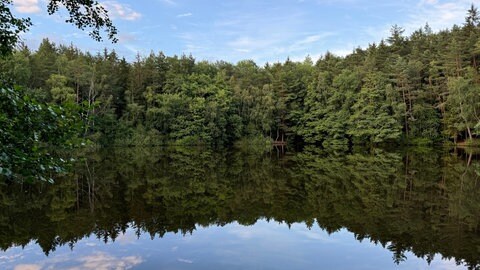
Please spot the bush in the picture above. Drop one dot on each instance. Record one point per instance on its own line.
(31, 133)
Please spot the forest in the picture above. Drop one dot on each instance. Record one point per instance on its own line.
(421, 89)
(416, 89)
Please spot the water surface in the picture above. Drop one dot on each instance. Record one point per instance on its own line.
(194, 208)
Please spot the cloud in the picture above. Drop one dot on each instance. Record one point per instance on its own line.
(11, 257)
(246, 43)
(169, 2)
(242, 50)
(184, 15)
(127, 37)
(431, 2)
(120, 11)
(296, 46)
(439, 15)
(310, 39)
(95, 261)
(27, 267)
(27, 6)
(103, 261)
(127, 238)
(305, 42)
(316, 235)
(263, 34)
(185, 261)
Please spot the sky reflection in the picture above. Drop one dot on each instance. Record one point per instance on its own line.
(264, 245)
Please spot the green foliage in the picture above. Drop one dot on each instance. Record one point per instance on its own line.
(139, 136)
(463, 103)
(58, 89)
(373, 119)
(10, 28)
(407, 89)
(28, 128)
(28, 132)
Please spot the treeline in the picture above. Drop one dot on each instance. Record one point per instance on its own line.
(421, 88)
(422, 202)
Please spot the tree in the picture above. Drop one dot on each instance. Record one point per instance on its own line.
(59, 90)
(27, 127)
(10, 28)
(84, 14)
(462, 107)
(373, 118)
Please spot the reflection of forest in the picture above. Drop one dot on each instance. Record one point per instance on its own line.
(425, 202)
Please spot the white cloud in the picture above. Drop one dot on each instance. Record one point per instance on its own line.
(169, 2)
(440, 15)
(103, 261)
(316, 235)
(27, 6)
(431, 2)
(307, 42)
(95, 261)
(185, 261)
(310, 39)
(27, 267)
(242, 50)
(184, 15)
(120, 11)
(246, 42)
(127, 238)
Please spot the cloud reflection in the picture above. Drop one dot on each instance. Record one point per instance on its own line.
(97, 261)
(104, 261)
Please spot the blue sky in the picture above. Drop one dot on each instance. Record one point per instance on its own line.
(233, 30)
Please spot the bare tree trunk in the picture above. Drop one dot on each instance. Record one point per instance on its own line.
(469, 132)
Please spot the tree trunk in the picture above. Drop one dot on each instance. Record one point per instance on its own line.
(469, 133)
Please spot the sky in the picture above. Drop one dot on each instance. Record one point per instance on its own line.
(234, 30)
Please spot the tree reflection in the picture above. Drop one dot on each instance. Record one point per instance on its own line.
(416, 200)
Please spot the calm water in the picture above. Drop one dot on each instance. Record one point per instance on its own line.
(190, 208)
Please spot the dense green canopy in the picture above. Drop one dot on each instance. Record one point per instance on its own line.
(421, 88)
(417, 89)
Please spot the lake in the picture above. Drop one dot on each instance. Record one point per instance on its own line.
(196, 208)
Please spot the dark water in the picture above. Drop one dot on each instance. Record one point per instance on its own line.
(191, 208)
